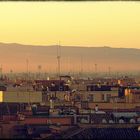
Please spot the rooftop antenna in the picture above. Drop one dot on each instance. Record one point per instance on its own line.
(81, 65)
(117, 75)
(27, 79)
(69, 66)
(95, 69)
(1, 71)
(58, 58)
(11, 73)
(109, 70)
(58, 62)
(27, 66)
(39, 71)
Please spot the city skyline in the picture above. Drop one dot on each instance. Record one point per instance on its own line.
(73, 59)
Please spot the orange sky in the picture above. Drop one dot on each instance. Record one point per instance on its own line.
(115, 24)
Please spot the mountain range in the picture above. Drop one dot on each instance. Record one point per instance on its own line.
(14, 56)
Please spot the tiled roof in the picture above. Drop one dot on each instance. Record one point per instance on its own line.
(108, 133)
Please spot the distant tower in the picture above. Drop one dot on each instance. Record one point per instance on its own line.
(39, 70)
(27, 65)
(117, 74)
(58, 59)
(81, 65)
(11, 74)
(1, 71)
(59, 62)
(11, 71)
(27, 69)
(95, 69)
(109, 71)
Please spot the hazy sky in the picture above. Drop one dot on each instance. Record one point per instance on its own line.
(115, 24)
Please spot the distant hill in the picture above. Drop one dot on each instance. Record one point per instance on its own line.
(13, 56)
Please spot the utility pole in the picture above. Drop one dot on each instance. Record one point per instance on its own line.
(96, 69)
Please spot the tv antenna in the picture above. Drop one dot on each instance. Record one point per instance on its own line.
(59, 59)
(81, 65)
(109, 70)
(95, 69)
(59, 62)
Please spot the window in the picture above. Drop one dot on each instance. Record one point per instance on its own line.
(108, 97)
(103, 96)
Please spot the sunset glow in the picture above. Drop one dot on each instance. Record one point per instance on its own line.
(85, 24)
(114, 24)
